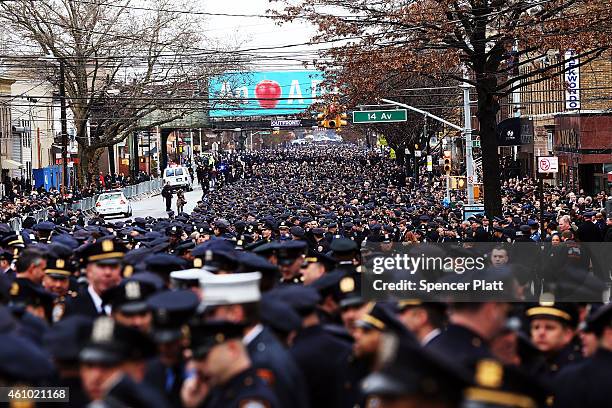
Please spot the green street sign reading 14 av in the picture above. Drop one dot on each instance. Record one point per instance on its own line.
(380, 116)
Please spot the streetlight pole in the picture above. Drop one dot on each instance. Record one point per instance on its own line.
(467, 124)
(64, 126)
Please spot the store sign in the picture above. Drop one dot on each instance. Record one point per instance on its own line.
(285, 123)
(572, 81)
(515, 132)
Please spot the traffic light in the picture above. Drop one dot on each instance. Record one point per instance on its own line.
(332, 117)
(333, 122)
(447, 162)
(322, 119)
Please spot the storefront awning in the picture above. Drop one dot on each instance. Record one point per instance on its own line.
(10, 164)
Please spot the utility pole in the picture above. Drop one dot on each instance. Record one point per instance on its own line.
(191, 147)
(467, 131)
(201, 147)
(149, 137)
(64, 126)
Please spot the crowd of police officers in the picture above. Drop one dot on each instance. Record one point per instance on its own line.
(254, 299)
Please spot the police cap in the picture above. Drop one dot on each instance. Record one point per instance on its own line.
(343, 246)
(278, 315)
(409, 371)
(497, 385)
(129, 297)
(206, 335)
(171, 311)
(59, 268)
(379, 316)
(111, 343)
(288, 251)
(564, 312)
(104, 251)
(303, 299)
(601, 319)
(65, 339)
(163, 264)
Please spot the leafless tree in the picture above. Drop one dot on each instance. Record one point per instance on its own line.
(127, 66)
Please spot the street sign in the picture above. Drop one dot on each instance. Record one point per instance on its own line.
(380, 116)
(469, 210)
(417, 153)
(429, 163)
(475, 143)
(548, 164)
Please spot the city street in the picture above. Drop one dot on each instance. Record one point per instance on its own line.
(155, 206)
(412, 203)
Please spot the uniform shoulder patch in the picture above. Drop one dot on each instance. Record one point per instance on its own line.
(58, 312)
(253, 403)
(266, 375)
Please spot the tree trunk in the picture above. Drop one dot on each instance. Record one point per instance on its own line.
(88, 157)
(487, 118)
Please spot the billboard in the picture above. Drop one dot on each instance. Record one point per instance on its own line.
(266, 93)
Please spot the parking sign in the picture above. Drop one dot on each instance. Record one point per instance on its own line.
(548, 164)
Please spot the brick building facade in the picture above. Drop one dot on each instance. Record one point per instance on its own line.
(581, 138)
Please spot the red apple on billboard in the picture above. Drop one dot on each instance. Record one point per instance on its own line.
(267, 93)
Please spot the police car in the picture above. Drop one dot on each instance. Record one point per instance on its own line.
(113, 203)
(178, 177)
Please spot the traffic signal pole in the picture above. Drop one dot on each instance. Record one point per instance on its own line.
(466, 130)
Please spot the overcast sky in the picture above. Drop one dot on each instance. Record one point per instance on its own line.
(258, 33)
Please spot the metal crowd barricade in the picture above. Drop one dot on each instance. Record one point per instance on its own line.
(15, 224)
(88, 203)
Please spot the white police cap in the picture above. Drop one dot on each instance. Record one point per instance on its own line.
(230, 289)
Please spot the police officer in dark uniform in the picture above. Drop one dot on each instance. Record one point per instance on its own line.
(223, 295)
(553, 326)
(64, 341)
(113, 365)
(353, 368)
(171, 312)
(346, 254)
(471, 328)
(128, 302)
(315, 350)
(586, 383)
(102, 260)
(413, 377)
(290, 256)
(497, 386)
(57, 281)
(166, 193)
(224, 376)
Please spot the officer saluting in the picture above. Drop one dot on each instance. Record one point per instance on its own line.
(225, 377)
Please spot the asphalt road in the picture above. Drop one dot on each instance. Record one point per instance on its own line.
(155, 206)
